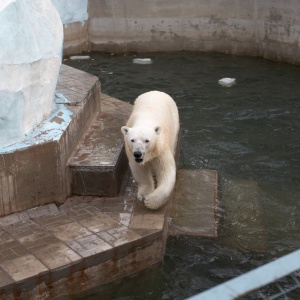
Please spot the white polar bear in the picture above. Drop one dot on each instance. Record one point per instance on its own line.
(150, 140)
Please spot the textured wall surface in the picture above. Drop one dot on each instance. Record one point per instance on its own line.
(264, 28)
(261, 28)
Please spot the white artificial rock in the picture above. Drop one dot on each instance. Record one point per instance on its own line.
(31, 43)
(72, 11)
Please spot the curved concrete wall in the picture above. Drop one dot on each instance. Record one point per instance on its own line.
(268, 28)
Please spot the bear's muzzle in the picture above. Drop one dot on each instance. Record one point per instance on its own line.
(138, 156)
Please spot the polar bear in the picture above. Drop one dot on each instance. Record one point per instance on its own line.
(150, 140)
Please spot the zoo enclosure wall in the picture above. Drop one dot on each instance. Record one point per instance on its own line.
(269, 29)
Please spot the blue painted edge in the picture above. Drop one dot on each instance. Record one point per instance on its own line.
(49, 130)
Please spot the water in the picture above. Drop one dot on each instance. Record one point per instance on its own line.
(249, 132)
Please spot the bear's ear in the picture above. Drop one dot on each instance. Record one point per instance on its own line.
(157, 130)
(124, 130)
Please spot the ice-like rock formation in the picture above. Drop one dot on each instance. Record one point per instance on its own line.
(31, 43)
(72, 10)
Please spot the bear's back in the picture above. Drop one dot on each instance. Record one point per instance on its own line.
(157, 105)
(156, 109)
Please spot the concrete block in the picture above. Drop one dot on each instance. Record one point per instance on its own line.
(195, 205)
(99, 163)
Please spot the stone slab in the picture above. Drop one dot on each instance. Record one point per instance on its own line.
(23, 267)
(11, 250)
(5, 279)
(147, 221)
(195, 205)
(119, 236)
(89, 245)
(55, 255)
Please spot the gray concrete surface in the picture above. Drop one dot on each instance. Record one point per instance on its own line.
(99, 162)
(195, 205)
(268, 29)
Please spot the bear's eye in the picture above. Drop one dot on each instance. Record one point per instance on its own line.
(146, 141)
(132, 141)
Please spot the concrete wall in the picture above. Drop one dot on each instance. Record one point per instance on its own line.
(268, 28)
(253, 27)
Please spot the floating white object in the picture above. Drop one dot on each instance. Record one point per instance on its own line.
(227, 81)
(78, 57)
(142, 61)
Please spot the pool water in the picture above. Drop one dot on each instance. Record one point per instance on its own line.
(249, 132)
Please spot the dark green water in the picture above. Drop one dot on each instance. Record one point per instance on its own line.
(248, 132)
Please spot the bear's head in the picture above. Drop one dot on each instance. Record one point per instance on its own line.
(142, 141)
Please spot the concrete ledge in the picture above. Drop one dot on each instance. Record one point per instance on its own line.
(99, 162)
(195, 208)
(33, 172)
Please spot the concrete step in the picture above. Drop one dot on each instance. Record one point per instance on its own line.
(195, 205)
(98, 164)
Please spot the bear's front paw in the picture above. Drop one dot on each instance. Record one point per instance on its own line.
(140, 196)
(143, 192)
(151, 202)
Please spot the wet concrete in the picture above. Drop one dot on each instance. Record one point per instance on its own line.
(99, 162)
(195, 205)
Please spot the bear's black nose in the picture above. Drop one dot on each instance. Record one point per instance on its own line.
(137, 154)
